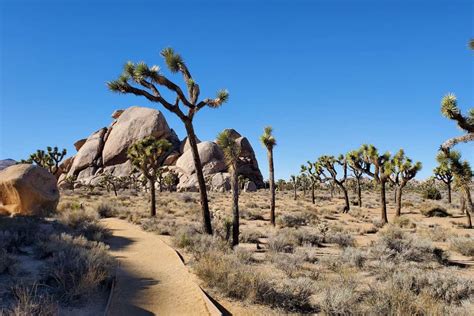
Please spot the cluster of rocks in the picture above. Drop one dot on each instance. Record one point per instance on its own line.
(105, 151)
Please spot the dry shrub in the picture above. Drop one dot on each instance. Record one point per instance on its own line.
(8, 264)
(463, 245)
(160, 226)
(250, 236)
(403, 222)
(353, 257)
(342, 239)
(84, 222)
(429, 209)
(340, 297)
(30, 300)
(253, 215)
(244, 282)
(395, 245)
(75, 267)
(105, 210)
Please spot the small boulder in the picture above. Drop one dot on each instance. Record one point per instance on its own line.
(78, 144)
(212, 159)
(249, 186)
(117, 114)
(220, 182)
(27, 189)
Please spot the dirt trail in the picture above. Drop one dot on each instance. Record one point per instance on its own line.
(151, 279)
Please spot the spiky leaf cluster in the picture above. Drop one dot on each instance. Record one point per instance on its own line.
(403, 168)
(147, 155)
(230, 148)
(267, 139)
(139, 79)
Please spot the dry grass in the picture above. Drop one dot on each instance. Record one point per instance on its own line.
(316, 258)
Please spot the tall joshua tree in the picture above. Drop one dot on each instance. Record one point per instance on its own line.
(450, 109)
(403, 171)
(381, 172)
(443, 171)
(269, 142)
(141, 80)
(355, 157)
(231, 153)
(147, 156)
(295, 181)
(313, 172)
(330, 163)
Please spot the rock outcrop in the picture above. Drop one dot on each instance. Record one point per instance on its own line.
(135, 123)
(27, 189)
(106, 151)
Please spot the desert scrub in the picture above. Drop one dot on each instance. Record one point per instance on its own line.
(396, 245)
(106, 210)
(342, 239)
(198, 244)
(8, 264)
(31, 300)
(253, 215)
(403, 222)
(245, 282)
(84, 222)
(160, 226)
(250, 235)
(431, 193)
(429, 209)
(463, 245)
(296, 219)
(340, 297)
(75, 267)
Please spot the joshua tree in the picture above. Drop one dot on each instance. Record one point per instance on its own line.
(231, 153)
(108, 180)
(355, 157)
(304, 182)
(443, 171)
(147, 156)
(295, 180)
(269, 141)
(281, 184)
(330, 164)
(171, 180)
(381, 173)
(141, 80)
(462, 179)
(313, 172)
(449, 108)
(403, 171)
(71, 180)
(48, 159)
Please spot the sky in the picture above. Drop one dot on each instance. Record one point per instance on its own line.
(327, 75)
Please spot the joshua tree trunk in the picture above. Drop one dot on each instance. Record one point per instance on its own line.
(395, 194)
(114, 188)
(399, 201)
(206, 215)
(469, 207)
(359, 192)
(272, 187)
(313, 199)
(153, 198)
(235, 207)
(347, 207)
(294, 190)
(449, 192)
(383, 203)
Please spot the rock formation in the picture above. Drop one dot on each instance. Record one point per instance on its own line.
(6, 163)
(106, 151)
(27, 189)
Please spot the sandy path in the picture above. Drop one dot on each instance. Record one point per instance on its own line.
(151, 279)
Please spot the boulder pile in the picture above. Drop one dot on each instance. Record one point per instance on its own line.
(105, 151)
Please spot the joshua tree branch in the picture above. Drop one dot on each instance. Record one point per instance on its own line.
(450, 143)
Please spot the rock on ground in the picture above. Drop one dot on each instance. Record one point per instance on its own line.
(27, 189)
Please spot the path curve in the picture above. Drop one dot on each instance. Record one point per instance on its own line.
(151, 279)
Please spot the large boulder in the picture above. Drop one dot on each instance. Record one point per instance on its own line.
(247, 165)
(135, 123)
(184, 146)
(220, 182)
(6, 163)
(212, 159)
(89, 154)
(79, 143)
(27, 189)
(249, 186)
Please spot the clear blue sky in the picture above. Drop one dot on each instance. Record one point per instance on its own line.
(327, 75)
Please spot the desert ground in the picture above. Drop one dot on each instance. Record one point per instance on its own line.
(316, 260)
